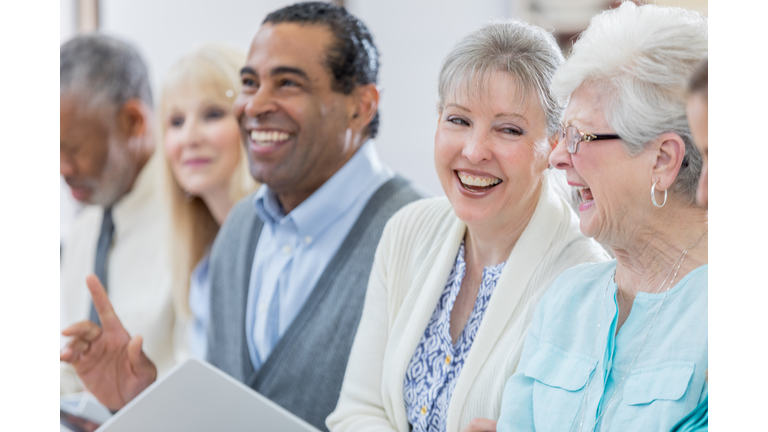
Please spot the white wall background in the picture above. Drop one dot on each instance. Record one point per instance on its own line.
(165, 30)
(68, 19)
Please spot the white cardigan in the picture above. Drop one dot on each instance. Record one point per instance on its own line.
(413, 260)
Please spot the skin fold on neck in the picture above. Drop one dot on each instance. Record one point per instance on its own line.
(646, 255)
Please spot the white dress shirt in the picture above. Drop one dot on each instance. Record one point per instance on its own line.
(138, 272)
(69, 207)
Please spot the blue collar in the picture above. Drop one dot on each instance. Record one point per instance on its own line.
(330, 201)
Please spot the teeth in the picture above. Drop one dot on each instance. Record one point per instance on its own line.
(580, 190)
(478, 181)
(266, 139)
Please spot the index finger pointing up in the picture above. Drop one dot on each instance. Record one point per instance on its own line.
(101, 302)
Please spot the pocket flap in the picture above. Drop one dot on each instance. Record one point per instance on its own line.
(557, 368)
(665, 381)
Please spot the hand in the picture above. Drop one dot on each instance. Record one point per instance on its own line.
(110, 363)
(480, 425)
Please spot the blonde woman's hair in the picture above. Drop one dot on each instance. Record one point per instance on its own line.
(193, 227)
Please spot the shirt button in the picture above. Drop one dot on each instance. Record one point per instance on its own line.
(424, 410)
(308, 239)
(263, 308)
(447, 360)
(287, 249)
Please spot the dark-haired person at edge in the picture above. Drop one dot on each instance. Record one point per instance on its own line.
(698, 116)
(290, 265)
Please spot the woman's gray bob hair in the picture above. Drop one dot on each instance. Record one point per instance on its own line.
(641, 58)
(526, 52)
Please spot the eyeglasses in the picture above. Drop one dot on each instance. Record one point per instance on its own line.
(573, 137)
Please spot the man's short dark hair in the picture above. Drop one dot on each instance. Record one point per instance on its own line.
(104, 70)
(353, 60)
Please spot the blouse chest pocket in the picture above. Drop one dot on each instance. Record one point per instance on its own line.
(653, 397)
(559, 380)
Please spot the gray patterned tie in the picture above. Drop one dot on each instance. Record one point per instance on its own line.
(102, 248)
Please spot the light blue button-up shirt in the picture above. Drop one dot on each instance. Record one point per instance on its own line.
(200, 305)
(294, 249)
(568, 381)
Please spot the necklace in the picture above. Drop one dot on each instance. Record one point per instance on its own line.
(676, 266)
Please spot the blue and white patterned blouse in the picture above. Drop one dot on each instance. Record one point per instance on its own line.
(435, 366)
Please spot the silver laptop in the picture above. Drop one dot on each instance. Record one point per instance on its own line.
(196, 396)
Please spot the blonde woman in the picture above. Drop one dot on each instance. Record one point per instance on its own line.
(206, 173)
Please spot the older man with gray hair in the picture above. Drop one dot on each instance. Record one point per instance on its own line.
(106, 147)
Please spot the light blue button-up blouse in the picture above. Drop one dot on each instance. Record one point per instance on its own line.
(696, 421)
(561, 355)
(200, 305)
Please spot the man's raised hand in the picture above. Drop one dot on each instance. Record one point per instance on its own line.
(110, 363)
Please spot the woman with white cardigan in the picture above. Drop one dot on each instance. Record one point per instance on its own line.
(456, 280)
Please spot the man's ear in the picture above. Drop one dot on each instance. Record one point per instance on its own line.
(132, 119)
(363, 106)
(669, 158)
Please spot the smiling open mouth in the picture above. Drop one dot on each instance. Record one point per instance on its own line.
(477, 183)
(269, 138)
(585, 194)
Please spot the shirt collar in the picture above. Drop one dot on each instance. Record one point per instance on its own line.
(267, 206)
(331, 200)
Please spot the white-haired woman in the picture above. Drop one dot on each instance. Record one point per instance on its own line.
(622, 345)
(455, 280)
(206, 173)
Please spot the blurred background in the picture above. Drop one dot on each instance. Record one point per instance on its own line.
(412, 37)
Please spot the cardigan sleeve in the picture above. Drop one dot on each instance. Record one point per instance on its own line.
(360, 406)
(517, 401)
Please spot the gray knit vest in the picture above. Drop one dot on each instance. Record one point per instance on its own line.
(305, 370)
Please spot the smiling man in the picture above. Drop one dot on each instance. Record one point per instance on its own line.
(290, 266)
